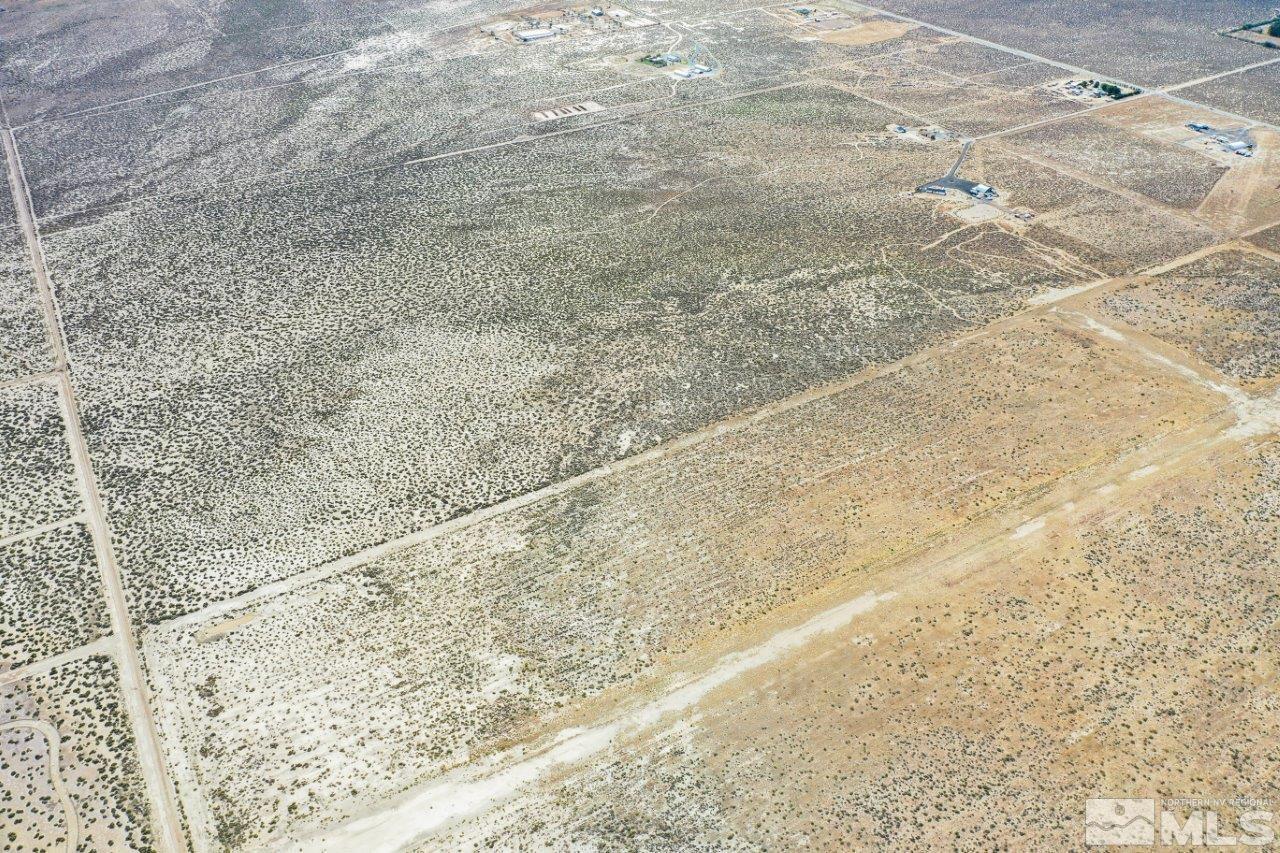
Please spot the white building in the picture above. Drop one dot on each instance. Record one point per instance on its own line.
(538, 34)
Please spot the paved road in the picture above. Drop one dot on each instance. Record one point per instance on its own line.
(955, 167)
(949, 181)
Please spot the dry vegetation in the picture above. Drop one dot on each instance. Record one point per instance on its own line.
(1224, 308)
(24, 348)
(1128, 647)
(671, 475)
(51, 599)
(1268, 239)
(1254, 93)
(67, 765)
(1101, 150)
(37, 486)
(571, 324)
(571, 597)
(1140, 41)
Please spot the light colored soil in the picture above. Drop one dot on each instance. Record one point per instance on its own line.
(871, 31)
(671, 563)
(1119, 650)
(1245, 196)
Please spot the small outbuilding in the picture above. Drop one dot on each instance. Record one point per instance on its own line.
(537, 34)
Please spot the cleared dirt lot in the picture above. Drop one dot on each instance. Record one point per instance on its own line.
(1126, 646)
(673, 474)
(1223, 308)
(733, 529)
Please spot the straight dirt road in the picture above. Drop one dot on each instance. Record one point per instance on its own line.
(132, 684)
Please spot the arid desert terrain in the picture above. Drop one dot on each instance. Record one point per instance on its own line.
(669, 425)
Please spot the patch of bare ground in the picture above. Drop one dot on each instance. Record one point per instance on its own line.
(1243, 197)
(324, 701)
(1128, 646)
(1110, 151)
(1223, 308)
(69, 774)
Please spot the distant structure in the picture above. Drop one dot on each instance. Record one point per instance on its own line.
(981, 192)
(949, 181)
(535, 34)
(692, 71)
(1237, 141)
(1097, 89)
(693, 68)
(565, 111)
(660, 60)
